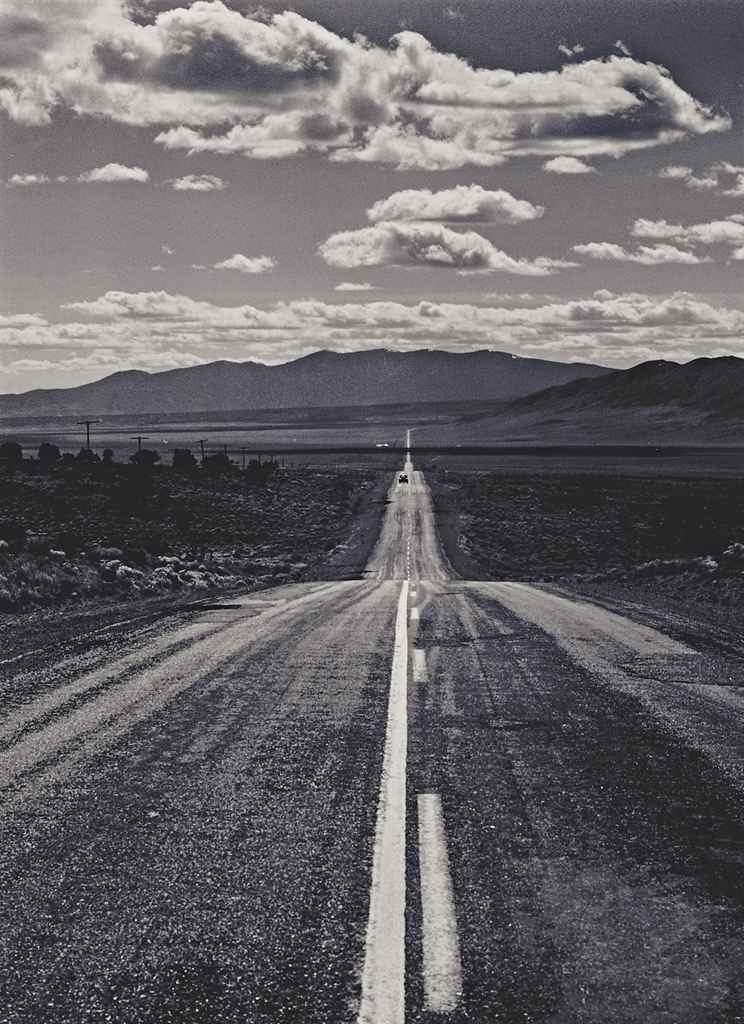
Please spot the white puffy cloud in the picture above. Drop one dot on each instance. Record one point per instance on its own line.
(114, 172)
(197, 183)
(464, 204)
(622, 48)
(214, 79)
(354, 286)
(568, 165)
(132, 328)
(571, 51)
(26, 180)
(735, 191)
(247, 264)
(647, 255)
(713, 232)
(675, 172)
(417, 244)
(710, 180)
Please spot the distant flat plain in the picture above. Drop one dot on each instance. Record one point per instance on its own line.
(453, 427)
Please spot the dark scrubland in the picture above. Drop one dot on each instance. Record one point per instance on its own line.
(671, 542)
(102, 534)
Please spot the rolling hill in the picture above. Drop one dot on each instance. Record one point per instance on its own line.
(322, 379)
(659, 401)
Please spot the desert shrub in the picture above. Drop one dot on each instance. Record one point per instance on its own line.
(37, 543)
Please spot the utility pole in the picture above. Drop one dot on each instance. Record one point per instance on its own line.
(86, 424)
(139, 439)
(243, 454)
(201, 444)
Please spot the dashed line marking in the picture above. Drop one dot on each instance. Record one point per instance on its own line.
(441, 941)
(414, 614)
(419, 665)
(383, 975)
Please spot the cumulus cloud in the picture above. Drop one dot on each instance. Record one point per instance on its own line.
(716, 178)
(463, 204)
(214, 79)
(247, 264)
(735, 191)
(648, 255)
(197, 183)
(354, 286)
(130, 328)
(418, 244)
(114, 172)
(713, 232)
(571, 51)
(26, 180)
(705, 183)
(622, 48)
(568, 165)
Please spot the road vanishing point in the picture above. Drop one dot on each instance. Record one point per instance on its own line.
(406, 798)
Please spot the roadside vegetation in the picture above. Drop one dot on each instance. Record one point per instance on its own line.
(676, 540)
(88, 529)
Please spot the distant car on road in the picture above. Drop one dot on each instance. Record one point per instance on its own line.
(403, 478)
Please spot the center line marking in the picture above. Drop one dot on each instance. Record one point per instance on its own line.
(419, 665)
(441, 942)
(384, 972)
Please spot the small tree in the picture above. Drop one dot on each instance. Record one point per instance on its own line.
(145, 457)
(217, 463)
(108, 456)
(87, 457)
(48, 454)
(183, 460)
(11, 454)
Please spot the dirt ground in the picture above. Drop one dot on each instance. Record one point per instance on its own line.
(673, 542)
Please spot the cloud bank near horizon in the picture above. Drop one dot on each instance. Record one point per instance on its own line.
(160, 330)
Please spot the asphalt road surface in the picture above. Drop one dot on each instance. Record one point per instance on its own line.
(410, 798)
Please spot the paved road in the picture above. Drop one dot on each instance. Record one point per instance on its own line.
(410, 798)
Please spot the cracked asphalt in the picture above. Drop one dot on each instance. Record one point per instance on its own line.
(190, 810)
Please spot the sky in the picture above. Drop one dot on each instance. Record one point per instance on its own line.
(561, 179)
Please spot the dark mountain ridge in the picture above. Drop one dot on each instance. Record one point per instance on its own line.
(322, 379)
(712, 386)
(656, 401)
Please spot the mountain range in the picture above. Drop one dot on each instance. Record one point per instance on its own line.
(322, 379)
(657, 401)
(508, 399)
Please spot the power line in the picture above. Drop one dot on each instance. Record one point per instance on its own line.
(86, 424)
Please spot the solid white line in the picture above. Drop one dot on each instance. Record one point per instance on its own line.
(383, 976)
(442, 964)
(419, 665)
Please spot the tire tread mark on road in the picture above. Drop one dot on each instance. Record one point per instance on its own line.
(640, 876)
(63, 739)
(247, 866)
